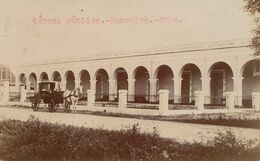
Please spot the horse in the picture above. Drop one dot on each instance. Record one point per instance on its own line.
(71, 98)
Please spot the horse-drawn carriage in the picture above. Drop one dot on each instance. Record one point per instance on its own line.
(49, 95)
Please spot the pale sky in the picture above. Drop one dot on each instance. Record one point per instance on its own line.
(200, 21)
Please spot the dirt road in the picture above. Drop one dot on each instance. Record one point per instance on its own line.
(179, 131)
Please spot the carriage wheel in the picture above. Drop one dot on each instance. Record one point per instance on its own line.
(35, 106)
(67, 106)
(35, 103)
(52, 106)
(56, 107)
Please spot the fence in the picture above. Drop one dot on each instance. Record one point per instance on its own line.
(243, 102)
(105, 104)
(181, 100)
(148, 99)
(29, 96)
(212, 102)
(182, 107)
(106, 97)
(143, 101)
(83, 100)
(101, 97)
(14, 96)
(106, 100)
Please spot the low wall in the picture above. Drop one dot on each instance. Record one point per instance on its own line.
(135, 111)
(131, 111)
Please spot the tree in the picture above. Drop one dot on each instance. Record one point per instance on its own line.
(253, 6)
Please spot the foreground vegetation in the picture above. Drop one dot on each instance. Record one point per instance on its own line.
(41, 141)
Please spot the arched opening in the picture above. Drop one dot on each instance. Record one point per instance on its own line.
(120, 75)
(56, 76)
(33, 81)
(22, 80)
(251, 82)
(142, 87)
(164, 77)
(70, 80)
(84, 81)
(6, 75)
(102, 85)
(191, 82)
(220, 82)
(44, 77)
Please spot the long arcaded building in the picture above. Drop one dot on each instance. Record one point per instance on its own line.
(213, 69)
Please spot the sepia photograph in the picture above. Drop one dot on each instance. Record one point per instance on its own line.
(129, 80)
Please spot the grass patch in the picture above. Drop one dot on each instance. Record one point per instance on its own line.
(33, 140)
(255, 124)
(222, 119)
(244, 120)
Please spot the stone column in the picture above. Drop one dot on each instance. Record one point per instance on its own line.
(1, 93)
(17, 85)
(238, 86)
(112, 93)
(77, 83)
(91, 98)
(131, 89)
(122, 103)
(28, 86)
(63, 85)
(205, 82)
(152, 90)
(256, 100)
(163, 102)
(23, 94)
(35, 86)
(6, 89)
(230, 100)
(199, 100)
(177, 89)
(93, 85)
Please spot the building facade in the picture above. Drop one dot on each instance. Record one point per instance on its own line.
(213, 69)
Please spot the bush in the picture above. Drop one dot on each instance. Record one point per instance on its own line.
(40, 141)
